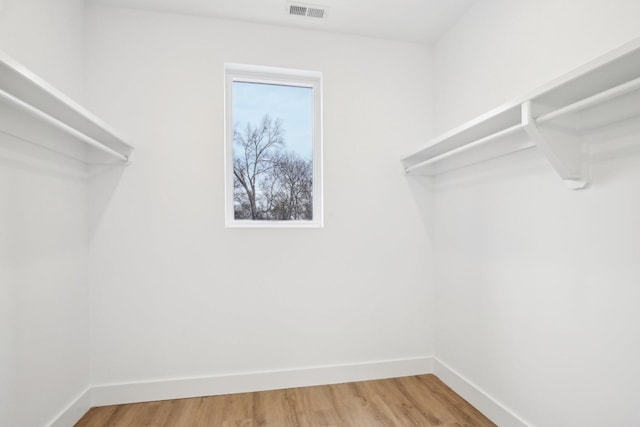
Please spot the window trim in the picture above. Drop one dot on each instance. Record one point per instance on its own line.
(278, 76)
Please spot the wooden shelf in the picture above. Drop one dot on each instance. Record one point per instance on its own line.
(557, 119)
(34, 111)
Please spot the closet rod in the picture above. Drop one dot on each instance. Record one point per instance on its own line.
(62, 126)
(488, 138)
(607, 95)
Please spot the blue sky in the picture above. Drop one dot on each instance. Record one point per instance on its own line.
(292, 104)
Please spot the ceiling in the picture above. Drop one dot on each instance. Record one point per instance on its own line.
(420, 21)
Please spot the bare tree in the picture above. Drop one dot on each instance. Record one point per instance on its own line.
(289, 189)
(269, 184)
(256, 153)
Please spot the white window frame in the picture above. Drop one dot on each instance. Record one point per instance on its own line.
(277, 76)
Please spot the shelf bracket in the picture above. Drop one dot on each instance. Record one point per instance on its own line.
(566, 151)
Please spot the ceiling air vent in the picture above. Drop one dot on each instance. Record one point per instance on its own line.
(298, 9)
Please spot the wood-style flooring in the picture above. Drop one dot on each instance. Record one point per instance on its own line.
(421, 400)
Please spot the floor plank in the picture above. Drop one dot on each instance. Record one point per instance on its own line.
(421, 400)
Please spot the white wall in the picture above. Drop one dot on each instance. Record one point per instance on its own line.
(537, 285)
(178, 295)
(44, 351)
(46, 37)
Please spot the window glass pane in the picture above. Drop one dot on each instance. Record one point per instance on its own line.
(272, 152)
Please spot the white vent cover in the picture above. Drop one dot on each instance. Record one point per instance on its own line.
(299, 9)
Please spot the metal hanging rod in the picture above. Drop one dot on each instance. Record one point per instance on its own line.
(599, 98)
(583, 104)
(505, 132)
(61, 126)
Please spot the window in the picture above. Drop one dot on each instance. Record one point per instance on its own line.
(273, 151)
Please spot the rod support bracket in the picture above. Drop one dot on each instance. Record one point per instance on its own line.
(566, 151)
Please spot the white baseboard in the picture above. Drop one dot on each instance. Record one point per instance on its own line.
(74, 411)
(112, 394)
(490, 407)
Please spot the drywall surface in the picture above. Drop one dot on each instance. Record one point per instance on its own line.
(537, 285)
(178, 295)
(47, 37)
(44, 357)
(514, 47)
